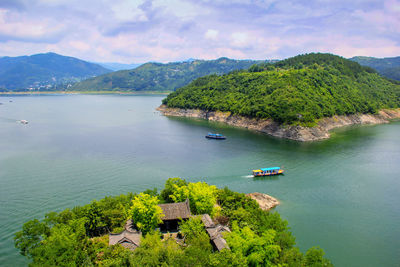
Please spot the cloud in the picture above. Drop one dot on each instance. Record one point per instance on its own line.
(211, 34)
(170, 30)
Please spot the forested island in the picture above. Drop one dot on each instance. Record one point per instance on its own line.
(184, 224)
(291, 98)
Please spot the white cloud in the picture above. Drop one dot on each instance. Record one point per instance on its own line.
(128, 11)
(211, 34)
(170, 30)
(239, 39)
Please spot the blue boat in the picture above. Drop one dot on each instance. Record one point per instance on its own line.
(215, 136)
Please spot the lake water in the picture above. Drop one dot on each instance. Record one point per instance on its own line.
(342, 194)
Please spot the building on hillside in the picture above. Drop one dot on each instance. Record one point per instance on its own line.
(173, 214)
(215, 232)
(129, 238)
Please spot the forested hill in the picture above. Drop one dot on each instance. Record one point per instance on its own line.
(388, 67)
(301, 90)
(44, 71)
(161, 77)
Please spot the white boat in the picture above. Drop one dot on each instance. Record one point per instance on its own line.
(23, 121)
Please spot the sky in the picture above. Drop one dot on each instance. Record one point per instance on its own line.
(138, 31)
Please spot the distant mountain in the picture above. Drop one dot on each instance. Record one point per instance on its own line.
(118, 66)
(388, 67)
(44, 71)
(162, 77)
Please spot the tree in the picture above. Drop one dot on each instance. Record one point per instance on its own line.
(95, 221)
(192, 228)
(202, 196)
(67, 245)
(169, 188)
(315, 258)
(145, 212)
(154, 252)
(260, 250)
(33, 232)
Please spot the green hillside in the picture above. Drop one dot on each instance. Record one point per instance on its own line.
(301, 90)
(44, 71)
(161, 77)
(388, 67)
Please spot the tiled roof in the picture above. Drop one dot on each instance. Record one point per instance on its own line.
(173, 211)
(215, 232)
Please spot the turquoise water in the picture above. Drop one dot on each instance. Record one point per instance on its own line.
(342, 194)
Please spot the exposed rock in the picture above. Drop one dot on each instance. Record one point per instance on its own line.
(265, 201)
(298, 133)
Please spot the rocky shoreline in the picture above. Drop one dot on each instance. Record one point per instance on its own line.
(298, 133)
(265, 201)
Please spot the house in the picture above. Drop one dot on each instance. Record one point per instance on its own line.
(129, 238)
(173, 214)
(215, 231)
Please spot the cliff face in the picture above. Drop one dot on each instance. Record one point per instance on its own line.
(298, 133)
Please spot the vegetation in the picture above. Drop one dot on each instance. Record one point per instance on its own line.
(48, 71)
(388, 67)
(161, 77)
(145, 212)
(298, 90)
(79, 236)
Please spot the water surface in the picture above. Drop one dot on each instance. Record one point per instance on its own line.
(341, 194)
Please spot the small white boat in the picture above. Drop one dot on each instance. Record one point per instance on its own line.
(23, 121)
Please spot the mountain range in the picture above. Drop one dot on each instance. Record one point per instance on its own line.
(388, 67)
(115, 66)
(44, 71)
(51, 71)
(162, 77)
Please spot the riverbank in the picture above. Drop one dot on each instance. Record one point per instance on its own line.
(297, 133)
(88, 92)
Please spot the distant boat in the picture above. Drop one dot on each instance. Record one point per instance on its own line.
(23, 121)
(215, 136)
(267, 171)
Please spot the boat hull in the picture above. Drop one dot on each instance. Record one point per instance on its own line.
(216, 137)
(268, 174)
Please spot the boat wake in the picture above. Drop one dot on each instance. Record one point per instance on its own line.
(248, 176)
(7, 119)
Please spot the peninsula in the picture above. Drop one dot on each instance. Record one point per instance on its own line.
(300, 98)
(177, 226)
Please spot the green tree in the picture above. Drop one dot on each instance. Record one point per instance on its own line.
(170, 187)
(145, 212)
(67, 245)
(202, 196)
(315, 258)
(260, 250)
(95, 220)
(192, 228)
(154, 252)
(31, 236)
